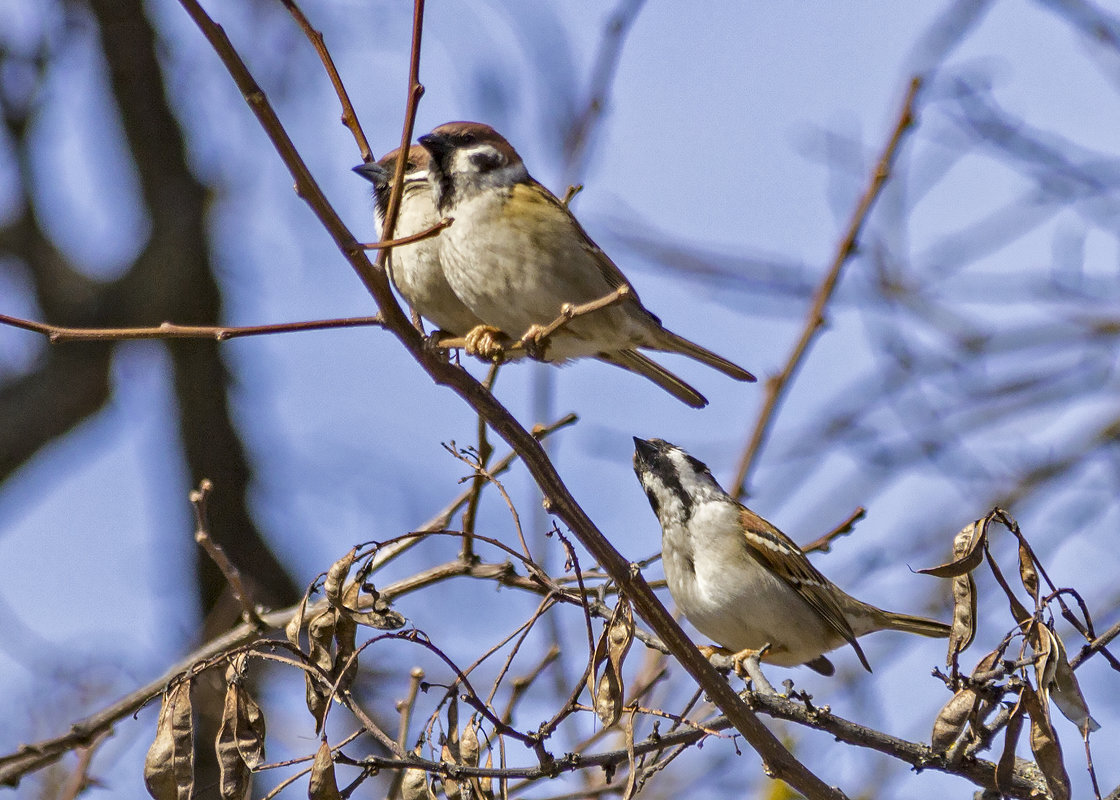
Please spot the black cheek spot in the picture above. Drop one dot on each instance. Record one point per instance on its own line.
(653, 502)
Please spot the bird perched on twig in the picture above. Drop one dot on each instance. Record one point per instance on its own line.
(516, 257)
(742, 581)
(415, 268)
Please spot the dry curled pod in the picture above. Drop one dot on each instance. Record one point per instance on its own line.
(169, 765)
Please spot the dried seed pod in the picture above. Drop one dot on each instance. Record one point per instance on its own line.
(234, 775)
(378, 615)
(1027, 572)
(608, 691)
(323, 784)
(1006, 765)
(295, 624)
(1044, 745)
(336, 578)
(967, 552)
(169, 766)
(1066, 692)
(952, 718)
(414, 785)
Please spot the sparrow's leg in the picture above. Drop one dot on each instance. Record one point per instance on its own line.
(486, 342)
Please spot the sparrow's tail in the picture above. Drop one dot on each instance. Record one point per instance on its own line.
(634, 361)
(672, 343)
(919, 625)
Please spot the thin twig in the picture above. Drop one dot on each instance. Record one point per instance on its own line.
(537, 337)
(385, 244)
(778, 384)
(230, 572)
(824, 543)
(58, 334)
(349, 118)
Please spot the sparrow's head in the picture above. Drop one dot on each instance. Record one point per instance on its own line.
(381, 175)
(674, 481)
(468, 158)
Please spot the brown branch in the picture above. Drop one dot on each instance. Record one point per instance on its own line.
(28, 758)
(777, 761)
(349, 118)
(232, 574)
(537, 337)
(1026, 781)
(824, 543)
(777, 385)
(58, 334)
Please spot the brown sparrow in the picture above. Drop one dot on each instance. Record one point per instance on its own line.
(516, 256)
(742, 581)
(415, 269)
(417, 272)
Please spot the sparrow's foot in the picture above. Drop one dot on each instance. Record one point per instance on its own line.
(486, 342)
(711, 650)
(748, 666)
(535, 341)
(432, 343)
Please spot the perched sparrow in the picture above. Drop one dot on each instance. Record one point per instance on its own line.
(415, 268)
(742, 581)
(516, 256)
(417, 272)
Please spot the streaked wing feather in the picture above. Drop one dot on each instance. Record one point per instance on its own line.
(784, 558)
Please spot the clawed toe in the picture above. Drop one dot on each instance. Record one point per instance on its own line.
(535, 341)
(486, 342)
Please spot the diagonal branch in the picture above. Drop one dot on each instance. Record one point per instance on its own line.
(777, 385)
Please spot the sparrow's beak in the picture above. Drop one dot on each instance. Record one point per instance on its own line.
(437, 144)
(644, 451)
(374, 173)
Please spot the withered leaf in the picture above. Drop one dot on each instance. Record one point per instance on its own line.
(1066, 692)
(169, 765)
(1044, 745)
(951, 719)
(323, 785)
(967, 552)
(234, 775)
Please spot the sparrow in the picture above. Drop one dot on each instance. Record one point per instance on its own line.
(415, 269)
(516, 257)
(744, 583)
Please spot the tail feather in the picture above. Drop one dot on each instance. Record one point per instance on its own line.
(678, 344)
(922, 626)
(634, 361)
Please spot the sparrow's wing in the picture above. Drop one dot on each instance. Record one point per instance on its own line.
(784, 558)
(548, 210)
